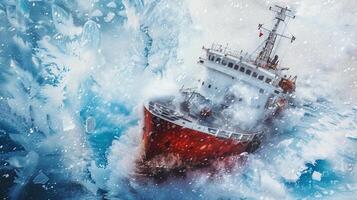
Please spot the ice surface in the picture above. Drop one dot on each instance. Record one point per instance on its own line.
(316, 176)
(351, 136)
(97, 13)
(59, 15)
(68, 125)
(90, 124)
(41, 178)
(112, 4)
(90, 36)
(63, 21)
(26, 167)
(110, 16)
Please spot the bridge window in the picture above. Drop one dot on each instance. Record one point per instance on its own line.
(242, 69)
(212, 58)
(261, 91)
(218, 60)
(224, 62)
(203, 82)
(236, 67)
(255, 74)
(209, 86)
(261, 77)
(276, 92)
(230, 65)
(268, 80)
(248, 72)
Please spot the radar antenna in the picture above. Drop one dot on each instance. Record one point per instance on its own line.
(264, 57)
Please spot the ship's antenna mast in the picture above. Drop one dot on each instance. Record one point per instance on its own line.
(263, 58)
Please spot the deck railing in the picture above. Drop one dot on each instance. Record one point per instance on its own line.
(169, 114)
(239, 54)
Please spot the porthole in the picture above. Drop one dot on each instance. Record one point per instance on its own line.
(255, 74)
(268, 80)
(224, 62)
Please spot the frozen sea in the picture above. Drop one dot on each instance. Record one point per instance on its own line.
(65, 62)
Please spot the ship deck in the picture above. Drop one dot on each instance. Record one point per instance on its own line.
(170, 112)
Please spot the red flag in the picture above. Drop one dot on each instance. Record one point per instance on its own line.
(261, 34)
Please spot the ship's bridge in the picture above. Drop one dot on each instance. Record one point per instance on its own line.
(260, 70)
(226, 65)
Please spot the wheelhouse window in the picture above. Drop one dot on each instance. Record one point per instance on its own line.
(209, 86)
(268, 80)
(224, 62)
(261, 91)
(212, 58)
(236, 67)
(255, 74)
(218, 60)
(242, 69)
(230, 65)
(248, 72)
(261, 77)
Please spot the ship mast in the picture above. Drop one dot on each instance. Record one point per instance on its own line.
(264, 57)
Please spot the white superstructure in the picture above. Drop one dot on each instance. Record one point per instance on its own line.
(225, 68)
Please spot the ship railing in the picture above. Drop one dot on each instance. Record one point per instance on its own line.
(244, 137)
(162, 110)
(170, 114)
(227, 50)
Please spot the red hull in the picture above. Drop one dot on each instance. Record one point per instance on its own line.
(164, 139)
